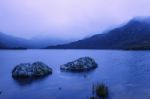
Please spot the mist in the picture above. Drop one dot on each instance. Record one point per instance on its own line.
(67, 19)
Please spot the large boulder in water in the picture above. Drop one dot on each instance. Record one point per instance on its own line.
(79, 65)
(25, 70)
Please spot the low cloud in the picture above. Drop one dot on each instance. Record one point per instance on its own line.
(67, 18)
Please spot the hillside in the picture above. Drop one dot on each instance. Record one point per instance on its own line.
(12, 42)
(135, 33)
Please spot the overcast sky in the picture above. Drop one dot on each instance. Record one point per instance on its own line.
(67, 18)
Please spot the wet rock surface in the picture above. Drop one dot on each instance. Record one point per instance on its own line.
(80, 65)
(27, 70)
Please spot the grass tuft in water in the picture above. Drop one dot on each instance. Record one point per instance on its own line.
(101, 90)
(93, 97)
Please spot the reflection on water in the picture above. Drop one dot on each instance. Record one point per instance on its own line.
(28, 81)
(126, 73)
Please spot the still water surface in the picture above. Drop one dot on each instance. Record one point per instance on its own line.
(126, 73)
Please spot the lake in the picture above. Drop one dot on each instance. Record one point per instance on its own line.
(126, 73)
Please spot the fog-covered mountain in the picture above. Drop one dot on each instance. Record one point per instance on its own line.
(133, 35)
(11, 42)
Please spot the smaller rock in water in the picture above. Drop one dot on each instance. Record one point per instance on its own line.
(37, 69)
(0, 92)
(79, 65)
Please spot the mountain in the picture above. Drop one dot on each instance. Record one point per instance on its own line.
(133, 35)
(42, 42)
(12, 42)
(7, 41)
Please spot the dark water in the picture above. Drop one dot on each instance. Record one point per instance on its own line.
(126, 73)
